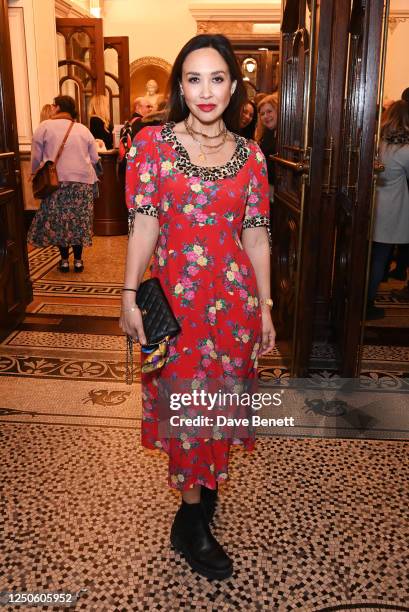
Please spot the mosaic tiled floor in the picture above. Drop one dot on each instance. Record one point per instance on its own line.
(312, 524)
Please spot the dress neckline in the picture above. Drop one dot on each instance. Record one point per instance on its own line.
(230, 168)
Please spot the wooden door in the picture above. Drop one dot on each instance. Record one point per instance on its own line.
(329, 67)
(117, 77)
(304, 78)
(15, 287)
(81, 60)
(356, 178)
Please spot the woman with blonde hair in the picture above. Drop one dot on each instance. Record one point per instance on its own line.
(46, 112)
(266, 131)
(100, 122)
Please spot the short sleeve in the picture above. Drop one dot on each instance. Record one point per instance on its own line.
(142, 176)
(257, 213)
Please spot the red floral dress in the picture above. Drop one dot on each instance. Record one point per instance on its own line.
(207, 277)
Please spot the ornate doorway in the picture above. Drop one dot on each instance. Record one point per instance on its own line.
(330, 62)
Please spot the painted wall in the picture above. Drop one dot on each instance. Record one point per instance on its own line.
(397, 57)
(160, 27)
(34, 60)
(157, 28)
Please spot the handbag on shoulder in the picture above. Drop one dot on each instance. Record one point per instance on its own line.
(159, 324)
(45, 180)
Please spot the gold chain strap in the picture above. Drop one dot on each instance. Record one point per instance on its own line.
(129, 360)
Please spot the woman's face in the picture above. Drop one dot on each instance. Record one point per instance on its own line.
(206, 84)
(268, 116)
(247, 114)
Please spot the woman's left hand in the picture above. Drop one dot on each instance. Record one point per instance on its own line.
(268, 332)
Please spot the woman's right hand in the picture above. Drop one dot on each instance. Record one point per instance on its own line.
(130, 322)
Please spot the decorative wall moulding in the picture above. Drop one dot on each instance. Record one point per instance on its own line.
(149, 61)
(261, 12)
(236, 31)
(396, 17)
(66, 8)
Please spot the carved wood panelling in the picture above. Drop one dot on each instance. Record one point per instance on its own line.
(122, 77)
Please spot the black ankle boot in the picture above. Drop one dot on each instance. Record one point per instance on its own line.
(191, 536)
(208, 499)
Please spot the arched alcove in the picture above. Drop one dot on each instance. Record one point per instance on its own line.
(145, 68)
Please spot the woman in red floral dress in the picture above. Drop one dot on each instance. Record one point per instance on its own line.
(198, 199)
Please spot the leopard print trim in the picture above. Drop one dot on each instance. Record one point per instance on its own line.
(259, 221)
(149, 210)
(183, 163)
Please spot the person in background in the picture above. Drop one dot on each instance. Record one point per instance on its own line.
(248, 120)
(391, 216)
(100, 121)
(142, 107)
(402, 251)
(65, 217)
(259, 96)
(156, 117)
(46, 112)
(266, 133)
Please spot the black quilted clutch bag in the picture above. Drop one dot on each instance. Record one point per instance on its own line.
(157, 316)
(159, 324)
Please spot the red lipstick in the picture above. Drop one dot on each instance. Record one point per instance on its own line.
(206, 108)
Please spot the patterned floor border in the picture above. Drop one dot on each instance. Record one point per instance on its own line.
(43, 260)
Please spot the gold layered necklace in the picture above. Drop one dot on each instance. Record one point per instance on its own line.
(222, 131)
(215, 147)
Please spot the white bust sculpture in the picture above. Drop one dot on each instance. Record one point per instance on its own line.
(152, 93)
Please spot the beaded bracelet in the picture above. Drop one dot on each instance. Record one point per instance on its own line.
(131, 309)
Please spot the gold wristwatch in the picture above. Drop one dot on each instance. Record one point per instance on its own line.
(266, 302)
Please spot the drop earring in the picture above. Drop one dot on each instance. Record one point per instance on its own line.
(182, 97)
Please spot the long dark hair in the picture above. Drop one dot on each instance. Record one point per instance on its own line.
(249, 130)
(395, 123)
(178, 109)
